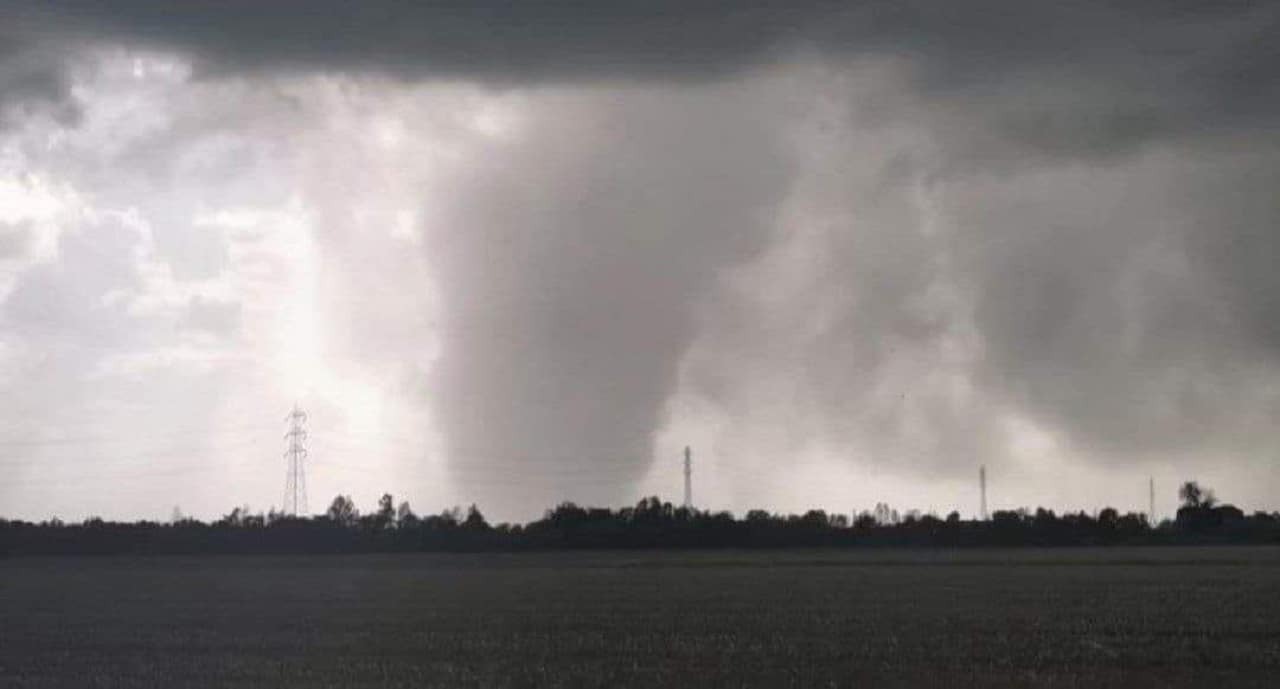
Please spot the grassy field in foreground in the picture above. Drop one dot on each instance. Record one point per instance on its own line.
(1115, 617)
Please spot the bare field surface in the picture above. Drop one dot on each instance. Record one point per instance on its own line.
(1151, 617)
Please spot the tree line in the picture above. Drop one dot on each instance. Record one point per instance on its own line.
(651, 523)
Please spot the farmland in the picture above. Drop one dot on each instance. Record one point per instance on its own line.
(1052, 618)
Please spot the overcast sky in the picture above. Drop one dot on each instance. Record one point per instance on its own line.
(849, 252)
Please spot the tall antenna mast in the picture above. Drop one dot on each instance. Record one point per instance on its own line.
(295, 482)
(1151, 505)
(982, 485)
(688, 478)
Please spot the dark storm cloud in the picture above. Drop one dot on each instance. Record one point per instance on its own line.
(512, 42)
(1130, 305)
(1104, 175)
(567, 276)
(1135, 69)
(33, 78)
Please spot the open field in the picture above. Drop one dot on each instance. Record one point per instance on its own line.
(1116, 617)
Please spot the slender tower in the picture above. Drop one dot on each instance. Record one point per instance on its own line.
(688, 478)
(295, 482)
(1151, 504)
(982, 488)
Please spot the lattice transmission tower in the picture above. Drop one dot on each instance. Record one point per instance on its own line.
(295, 482)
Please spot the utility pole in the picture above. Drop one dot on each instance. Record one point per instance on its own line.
(295, 482)
(1151, 505)
(688, 478)
(982, 487)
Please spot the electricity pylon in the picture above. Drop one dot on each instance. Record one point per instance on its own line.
(295, 482)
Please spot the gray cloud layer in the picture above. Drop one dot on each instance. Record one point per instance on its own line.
(1091, 74)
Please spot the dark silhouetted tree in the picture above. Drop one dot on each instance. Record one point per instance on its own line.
(651, 523)
(1192, 495)
(405, 518)
(342, 511)
(237, 517)
(385, 517)
(475, 521)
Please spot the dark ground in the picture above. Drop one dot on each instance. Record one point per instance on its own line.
(1116, 617)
